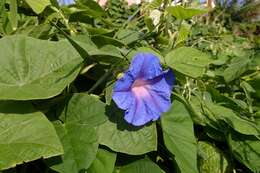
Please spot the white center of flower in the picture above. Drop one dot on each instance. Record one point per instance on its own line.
(140, 88)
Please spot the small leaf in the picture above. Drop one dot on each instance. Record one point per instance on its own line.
(25, 135)
(85, 109)
(104, 162)
(80, 147)
(155, 4)
(236, 68)
(184, 13)
(212, 160)
(183, 33)
(38, 5)
(141, 166)
(178, 136)
(188, 61)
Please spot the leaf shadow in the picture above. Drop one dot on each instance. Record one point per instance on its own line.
(16, 107)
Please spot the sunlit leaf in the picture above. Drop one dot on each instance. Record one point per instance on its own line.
(104, 162)
(185, 13)
(85, 109)
(38, 5)
(141, 166)
(36, 69)
(80, 147)
(188, 61)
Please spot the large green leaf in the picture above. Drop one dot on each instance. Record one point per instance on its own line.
(212, 160)
(85, 109)
(36, 69)
(184, 13)
(141, 166)
(122, 137)
(246, 149)
(38, 5)
(104, 162)
(188, 61)
(25, 135)
(179, 137)
(80, 147)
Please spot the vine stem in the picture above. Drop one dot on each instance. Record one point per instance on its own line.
(100, 80)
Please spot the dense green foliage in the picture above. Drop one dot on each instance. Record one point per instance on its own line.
(59, 65)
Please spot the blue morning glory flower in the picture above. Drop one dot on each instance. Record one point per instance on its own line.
(229, 3)
(66, 2)
(144, 90)
(203, 1)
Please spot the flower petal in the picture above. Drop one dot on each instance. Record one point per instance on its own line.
(66, 2)
(160, 90)
(122, 94)
(124, 83)
(123, 99)
(145, 66)
(163, 83)
(102, 3)
(140, 113)
(153, 102)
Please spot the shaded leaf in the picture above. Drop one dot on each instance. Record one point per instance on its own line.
(128, 36)
(246, 149)
(217, 113)
(122, 137)
(212, 160)
(155, 4)
(236, 68)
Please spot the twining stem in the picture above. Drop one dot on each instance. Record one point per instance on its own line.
(100, 81)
